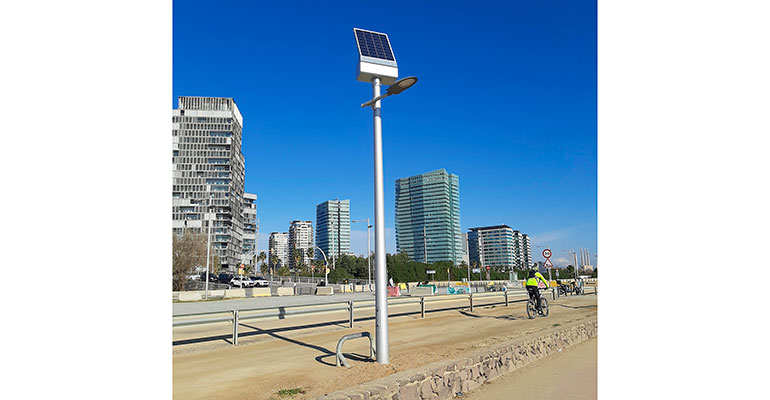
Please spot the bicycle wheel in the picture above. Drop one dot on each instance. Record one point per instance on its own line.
(531, 309)
(544, 304)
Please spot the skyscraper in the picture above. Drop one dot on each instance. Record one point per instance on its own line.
(250, 228)
(279, 247)
(333, 228)
(428, 217)
(499, 246)
(208, 169)
(523, 250)
(300, 238)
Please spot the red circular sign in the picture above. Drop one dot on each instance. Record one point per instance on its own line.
(488, 268)
(547, 253)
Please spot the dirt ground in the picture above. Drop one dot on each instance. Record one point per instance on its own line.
(570, 374)
(274, 355)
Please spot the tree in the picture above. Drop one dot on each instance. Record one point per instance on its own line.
(261, 259)
(215, 264)
(273, 262)
(188, 252)
(310, 253)
(297, 257)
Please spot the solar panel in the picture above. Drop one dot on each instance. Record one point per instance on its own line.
(373, 44)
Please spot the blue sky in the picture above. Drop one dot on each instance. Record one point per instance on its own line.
(506, 99)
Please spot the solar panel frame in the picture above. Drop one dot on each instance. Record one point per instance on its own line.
(374, 45)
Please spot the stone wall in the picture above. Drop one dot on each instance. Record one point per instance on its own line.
(444, 379)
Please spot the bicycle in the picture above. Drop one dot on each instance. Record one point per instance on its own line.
(532, 310)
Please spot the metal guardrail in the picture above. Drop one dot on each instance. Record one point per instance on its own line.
(235, 316)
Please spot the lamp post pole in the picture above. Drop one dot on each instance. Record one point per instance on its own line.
(326, 267)
(208, 250)
(380, 268)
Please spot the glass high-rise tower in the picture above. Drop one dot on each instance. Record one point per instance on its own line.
(332, 228)
(428, 217)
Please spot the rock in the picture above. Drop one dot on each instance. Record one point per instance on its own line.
(469, 385)
(410, 392)
(426, 389)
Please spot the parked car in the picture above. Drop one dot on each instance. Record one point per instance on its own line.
(225, 277)
(212, 277)
(260, 281)
(241, 282)
(193, 277)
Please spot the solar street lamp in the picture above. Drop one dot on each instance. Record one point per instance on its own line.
(377, 64)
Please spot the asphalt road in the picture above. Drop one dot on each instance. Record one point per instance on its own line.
(276, 301)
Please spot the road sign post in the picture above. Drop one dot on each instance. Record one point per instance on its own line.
(548, 263)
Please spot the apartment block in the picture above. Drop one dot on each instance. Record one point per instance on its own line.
(208, 173)
(300, 238)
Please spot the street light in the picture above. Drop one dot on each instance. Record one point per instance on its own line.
(377, 64)
(368, 250)
(208, 245)
(397, 87)
(326, 266)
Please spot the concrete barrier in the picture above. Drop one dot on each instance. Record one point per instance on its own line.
(233, 293)
(324, 290)
(217, 293)
(259, 292)
(421, 291)
(285, 291)
(190, 296)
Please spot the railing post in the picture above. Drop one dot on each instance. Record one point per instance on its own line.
(422, 306)
(350, 306)
(506, 298)
(235, 327)
(553, 293)
(470, 297)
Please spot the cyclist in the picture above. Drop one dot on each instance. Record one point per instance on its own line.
(532, 282)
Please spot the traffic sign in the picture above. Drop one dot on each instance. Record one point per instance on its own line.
(430, 271)
(548, 263)
(488, 268)
(547, 253)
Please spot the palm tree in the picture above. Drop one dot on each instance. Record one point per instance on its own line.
(261, 257)
(310, 252)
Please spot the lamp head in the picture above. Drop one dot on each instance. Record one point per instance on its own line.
(401, 85)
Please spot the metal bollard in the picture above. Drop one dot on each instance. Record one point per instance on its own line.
(350, 305)
(235, 327)
(422, 307)
(553, 293)
(506, 298)
(470, 297)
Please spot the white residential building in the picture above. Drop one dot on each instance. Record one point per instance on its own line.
(209, 173)
(300, 238)
(250, 228)
(279, 246)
